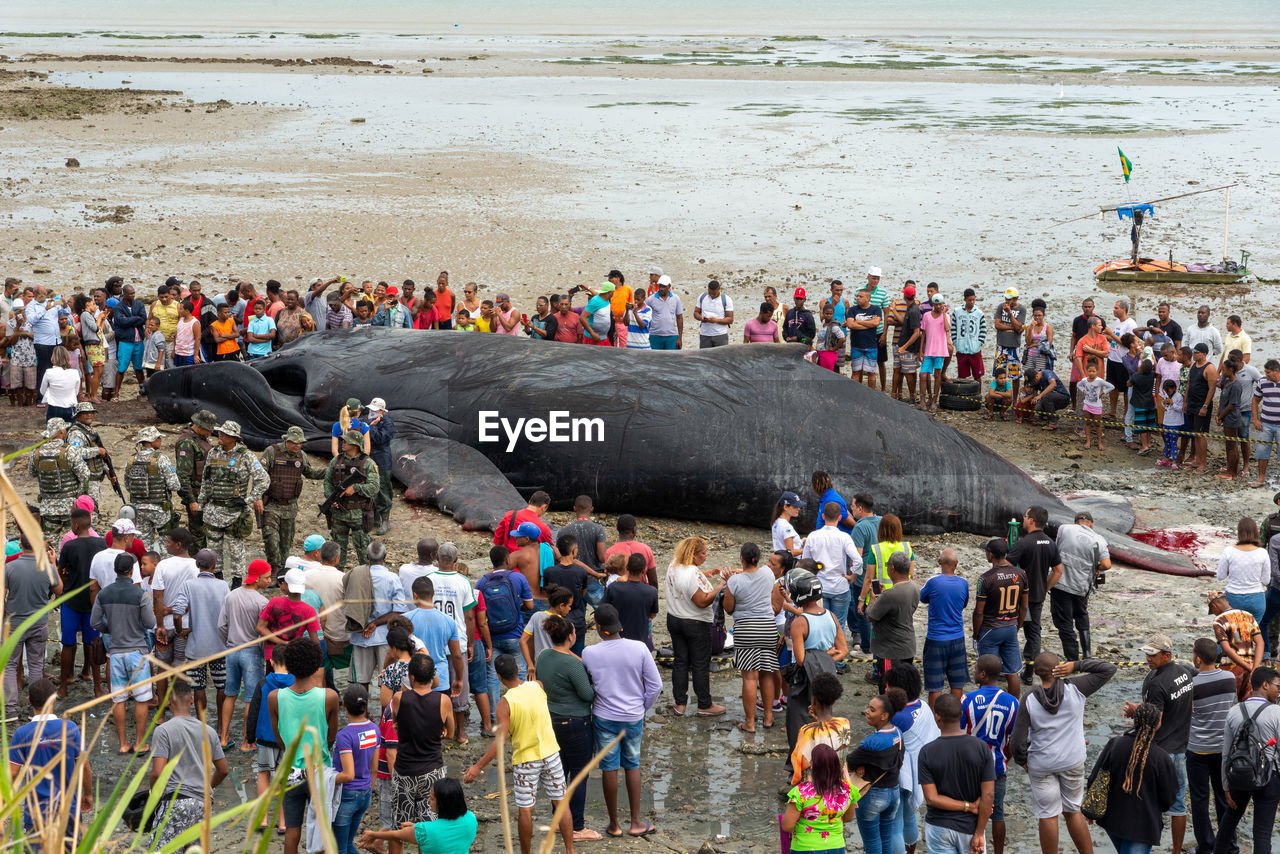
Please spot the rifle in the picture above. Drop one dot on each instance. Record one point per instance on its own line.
(352, 479)
(111, 469)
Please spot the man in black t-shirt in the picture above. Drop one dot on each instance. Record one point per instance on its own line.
(958, 775)
(1036, 554)
(73, 565)
(908, 338)
(1168, 686)
(636, 601)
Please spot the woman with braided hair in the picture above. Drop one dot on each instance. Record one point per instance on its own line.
(1143, 784)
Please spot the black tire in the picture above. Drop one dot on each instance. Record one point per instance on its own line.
(959, 404)
(962, 388)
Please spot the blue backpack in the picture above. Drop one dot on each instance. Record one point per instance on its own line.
(502, 605)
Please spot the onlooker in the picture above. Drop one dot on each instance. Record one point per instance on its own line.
(666, 327)
(1036, 554)
(197, 608)
(440, 635)
(988, 713)
(748, 596)
(506, 596)
(123, 611)
(326, 581)
(833, 548)
(1009, 320)
(354, 748)
(238, 625)
(1239, 638)
(1143, 784)
(428, 549)
(893, 636)
(1260, 714)
(184, 739)
(945, 655)
(47, 741)
(535, 755)
(424, 719)
(627, 684)
(825, 728)
(535, 638)
(1247, 570)
(969, 334)
(260, 731)
(1085, 557)
(572, 575)
(28, 589)
(454, 597)
(1266, 417)
(955, 769)
(74, 562)
(590, 537)
(636, 601)
(628, 545)
(167, 579)
(569, 698)
(1213, 694)
(1048, 742)
(878, 760)
(453, 831)
(798, 325)
(714, 311)
(690, 595)
(919, 727)
(762, 329)
(306, 714)
(369, 647)
(288, 617)
(818, 807)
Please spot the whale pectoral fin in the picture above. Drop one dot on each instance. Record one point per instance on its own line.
(455, 478)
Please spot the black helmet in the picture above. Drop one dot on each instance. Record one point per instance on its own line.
(803, 586)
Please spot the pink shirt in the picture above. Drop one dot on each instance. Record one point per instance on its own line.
(935, 331)
(1167, 370)
(756, 332)
(508, 317)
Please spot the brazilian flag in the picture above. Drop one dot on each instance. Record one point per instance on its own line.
(1126, 165)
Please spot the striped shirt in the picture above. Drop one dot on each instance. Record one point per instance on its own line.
(1269, 393)
(1213, 695)
(880, 299)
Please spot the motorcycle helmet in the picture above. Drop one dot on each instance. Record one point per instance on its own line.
(803, 587)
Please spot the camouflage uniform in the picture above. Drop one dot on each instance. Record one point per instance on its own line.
(151, 481)
(189, 457)
(233, 481)
(280, 510)
(83, 438)
(352, 515)
(61, 474)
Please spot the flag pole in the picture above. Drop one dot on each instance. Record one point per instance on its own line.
(1226, 221)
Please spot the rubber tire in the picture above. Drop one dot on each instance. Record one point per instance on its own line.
(959, 404)
(962, 388)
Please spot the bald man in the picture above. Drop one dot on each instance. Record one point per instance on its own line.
(945, 657)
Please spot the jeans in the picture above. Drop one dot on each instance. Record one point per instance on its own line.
(879, 822)
(32, 645)
(944, 840)
(1270, 625)
(595, 592)
(663, 342)
(1070, 614)
(182, 361)
(910, 827)
(1128, 417)
(838, 605)
(245, 667)
(502, 646)
(577, 745)
(855, 622)
(1254, 603)
(1204, 776)
(346, 823)
(1031, 631)
(691, 641)
(44, 359)
(1124, 846)
(1264, 818)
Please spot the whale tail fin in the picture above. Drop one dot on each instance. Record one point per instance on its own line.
(456, 478)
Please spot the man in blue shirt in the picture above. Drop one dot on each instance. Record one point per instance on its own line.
(989, 713)
(369, 647)
(821, 483)
(945, 656)
(1046, 394)
(42, 315)
(439, 634)
(49, 747)
(260, 332)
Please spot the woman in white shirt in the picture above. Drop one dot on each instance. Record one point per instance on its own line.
(1247, 570)
(60, 388)
(690, 595)
(784, 533)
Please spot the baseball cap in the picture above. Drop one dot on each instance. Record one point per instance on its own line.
(937, 299)
(312, 542)
(800, 294)
(393, 291)
(208, 559)
(527, 529)
(655, 271)
(124, 526)
(1201, 348)
(353, 403)
(664, 280)
(909, 291)
(296, 580)
(257, 569)
(1157, 643)
(377, 405)
(790, 499)
(607, 620)
(502, 296)
(1010, 293)
(873, 271)
(84, 502)
(1084, 514)
(605, 288)
(173, 280)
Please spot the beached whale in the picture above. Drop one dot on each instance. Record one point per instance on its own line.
(710, 435)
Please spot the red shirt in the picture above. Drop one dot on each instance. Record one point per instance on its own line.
(426, 319)
(284, 613)
(137, 548)
(511, 521)
(568, 328)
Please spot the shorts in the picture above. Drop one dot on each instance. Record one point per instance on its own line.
(1144, 419)
(244, 669)
(997, 808)
(130, 669)
(626, 752)
(706, 341)
(129, 351)
(412, 795)
(1197, 423)
(882, 352)
(931, 364)
(267, 759)
(1117, 374)
(863, 360)
(97, 355)
(1267, 436)
(296, 799)
(1007, 358)
(174, 652)
(969, 365)
(1056, 793)
(906, 363)
(386, 805)
(76, 624)
(946, 840)
(549, 772)
(217, 670)
(1180, 802)
(463, 699)
(946, 664)
(1002, 641)
(478, 670)
(22, 376)
(182, 361)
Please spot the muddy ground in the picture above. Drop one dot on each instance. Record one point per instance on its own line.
(710, 787)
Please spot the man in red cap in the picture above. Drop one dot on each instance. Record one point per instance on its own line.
(798, 326)
(390, 312)
(906, 354)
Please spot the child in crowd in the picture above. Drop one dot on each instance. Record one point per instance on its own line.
(152, 350)
(1142, 402)
(1093, 388)
(257, 727)
(464, 321)
(535, 639)
(388, 745)
(615, 568)
(71, 341)
(1174, 419)
(395, 676)
(353, 754)
(1000, 395)
(484, 323)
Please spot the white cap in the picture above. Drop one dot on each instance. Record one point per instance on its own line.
(296, 580)
(873, 271)
(664, 280)
(377, 405)
(655, 271)
(124, 526)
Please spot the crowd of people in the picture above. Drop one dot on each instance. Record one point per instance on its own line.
(356, 678)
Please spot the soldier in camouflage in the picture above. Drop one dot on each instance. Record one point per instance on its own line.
(352, 513)
(194, 444)
(61, 474)
(286, 466)
(83, 438)
(151, 481)
(230, 494)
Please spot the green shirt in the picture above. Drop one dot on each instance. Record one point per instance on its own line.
(446, 836)
(564, 678)
(304, 713)
(821, 824)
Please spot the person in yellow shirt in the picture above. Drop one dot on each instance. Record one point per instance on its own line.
(1236, 339)
(535, 758)
(484, 323)
(166, 311)
(618, 302)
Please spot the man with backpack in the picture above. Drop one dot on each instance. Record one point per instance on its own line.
(506, 593)
(1249, 763)
(714, 312)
